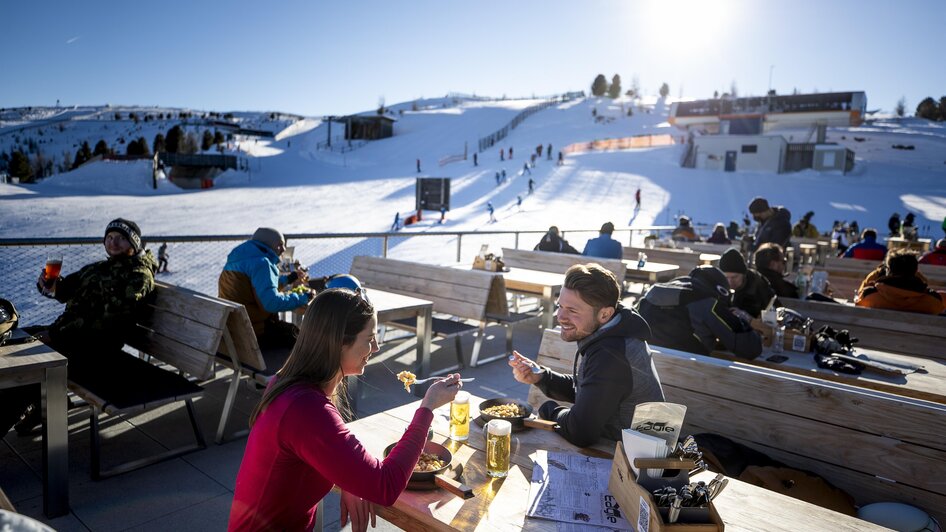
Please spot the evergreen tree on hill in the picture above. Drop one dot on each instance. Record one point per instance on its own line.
(928, 109)
(143, 144)
(614, 90)
(101, 148)
(159, 145)
(600, 85)
(83, 154)
(207, 140)
(218, 138)
(20, 167)
(664, 90)
(172, 142)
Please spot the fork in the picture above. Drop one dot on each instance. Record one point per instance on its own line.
(424, 381)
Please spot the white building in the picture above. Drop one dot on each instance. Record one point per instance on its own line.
(732, 153)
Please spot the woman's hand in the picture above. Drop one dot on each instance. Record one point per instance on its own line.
(522, 369)
(359, 510)
(442, 391)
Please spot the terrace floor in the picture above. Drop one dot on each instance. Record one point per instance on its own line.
(194, 492)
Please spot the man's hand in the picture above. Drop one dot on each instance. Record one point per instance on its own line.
(48, 291)
(741, 314)
(522, 369)
(359, 510)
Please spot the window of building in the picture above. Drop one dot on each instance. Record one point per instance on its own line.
(749, 148)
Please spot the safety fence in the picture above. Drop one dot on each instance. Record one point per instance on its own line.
(195, 262)
(624, 143)
(489, 140)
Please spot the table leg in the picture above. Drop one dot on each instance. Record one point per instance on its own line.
(424, 329)
(55, 443)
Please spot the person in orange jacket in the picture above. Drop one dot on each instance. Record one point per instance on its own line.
(897, 284)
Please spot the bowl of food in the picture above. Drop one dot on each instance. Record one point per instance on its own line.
(517, 413)
(430, 469)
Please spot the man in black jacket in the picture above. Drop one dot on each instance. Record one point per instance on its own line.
(616, 371)
(770, 262)
(693, 313)
(775, 223)
(552, 241)
(752, 292)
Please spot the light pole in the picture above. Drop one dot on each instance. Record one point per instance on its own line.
(771, 68)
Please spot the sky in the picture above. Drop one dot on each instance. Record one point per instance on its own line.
(319, 58)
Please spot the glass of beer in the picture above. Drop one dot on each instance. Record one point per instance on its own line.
(498, 434)
(53, 267)
(460, 417)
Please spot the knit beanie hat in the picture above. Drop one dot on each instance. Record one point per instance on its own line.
(732, 262)
(758, 204)
(941, 243)
(270, 237)
(128, 229)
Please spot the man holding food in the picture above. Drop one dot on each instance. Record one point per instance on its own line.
(251, 277)
(617, 371)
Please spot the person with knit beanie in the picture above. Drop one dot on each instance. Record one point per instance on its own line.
(251, 277)
(752, 291)
(775, 223)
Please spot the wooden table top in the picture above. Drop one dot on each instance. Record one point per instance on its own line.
(28, 357)
(501, 504)
(384, 301)
(927, 385)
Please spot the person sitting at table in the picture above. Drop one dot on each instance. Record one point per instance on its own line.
(868, 248)
(693, 313)
(684, 232)
(719, 235)
(617, 371)
(770, 263)
(775, 223)
(752, 292)
(804, 228)
(251, 277)
(897, 284)
(604, 246)
(936, 256)
(103, 302)
(299, 446)
(552, 241)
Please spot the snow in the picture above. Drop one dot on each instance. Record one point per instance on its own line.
(298, 188)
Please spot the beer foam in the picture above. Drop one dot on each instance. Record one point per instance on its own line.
(462, 398)
(499, 427)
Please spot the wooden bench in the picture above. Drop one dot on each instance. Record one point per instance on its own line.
(907, 333)
(182, 332)
(548, 261)
(457, 295)
(874, 445)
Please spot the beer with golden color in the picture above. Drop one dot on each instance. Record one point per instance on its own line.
(498, 436)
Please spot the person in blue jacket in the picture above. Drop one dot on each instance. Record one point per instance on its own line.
(868, 248)
(604, 246)
(251, 277)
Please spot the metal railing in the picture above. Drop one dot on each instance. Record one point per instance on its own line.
(195, 261)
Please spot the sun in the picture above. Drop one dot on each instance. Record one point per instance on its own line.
(678, 28)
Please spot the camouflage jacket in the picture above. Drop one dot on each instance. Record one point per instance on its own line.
(103, 302)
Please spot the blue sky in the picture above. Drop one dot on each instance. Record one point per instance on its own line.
(317, 58)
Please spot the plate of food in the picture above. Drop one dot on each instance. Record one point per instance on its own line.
(433, 468)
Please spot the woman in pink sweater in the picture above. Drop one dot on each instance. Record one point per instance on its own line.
(299, 446)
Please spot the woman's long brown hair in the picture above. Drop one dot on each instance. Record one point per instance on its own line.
(332, 321)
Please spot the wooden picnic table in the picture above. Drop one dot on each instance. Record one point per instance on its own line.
(501, 504)
(652, 272)
(543, 285)
(927, 385)
(921, 245)
(36, 362)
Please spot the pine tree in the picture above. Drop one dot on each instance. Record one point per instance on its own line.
(600, 85)
(173, 141)
(207, 140)
(188, 144)
(942, 108)
(927, 109)
(83, 154)
(143, 144)
(20, 167)
(901, 108)
(218, 138)
(159, 145)
(101, 148)
(664, 90)
(614, 90)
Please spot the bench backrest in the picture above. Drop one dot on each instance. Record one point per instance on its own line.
(240, 337)
(549, 261)
(874, 445)
(895, 331)
(469, 294)
(184, 329)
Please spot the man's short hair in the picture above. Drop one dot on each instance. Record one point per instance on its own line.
(869, 232)
(595, 285)
(607, 228)
(767, 253)
(902, 263)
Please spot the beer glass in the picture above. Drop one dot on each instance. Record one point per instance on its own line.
(460, 417)
(498, 434)
(53, 267)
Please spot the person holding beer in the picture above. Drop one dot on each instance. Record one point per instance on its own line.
(299, 446)
(103, 302)
(251, 277)
(617, 371)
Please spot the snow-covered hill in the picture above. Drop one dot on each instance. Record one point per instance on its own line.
(297, 186)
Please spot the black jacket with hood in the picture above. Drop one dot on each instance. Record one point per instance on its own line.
(777, 229)
(615, 374)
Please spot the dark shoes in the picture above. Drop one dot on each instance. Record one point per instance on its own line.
(32, 419)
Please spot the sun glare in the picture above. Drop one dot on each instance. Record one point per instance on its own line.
(681, 27)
